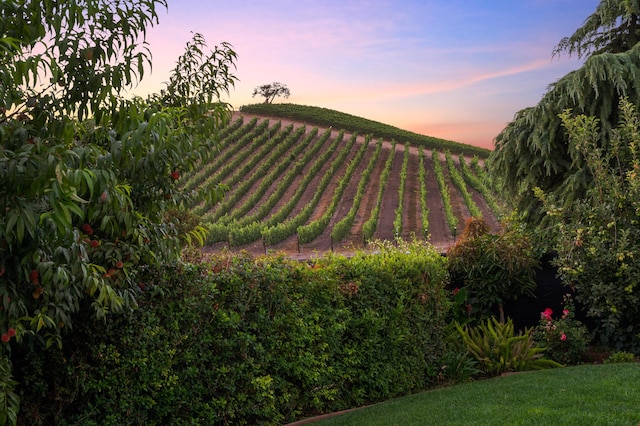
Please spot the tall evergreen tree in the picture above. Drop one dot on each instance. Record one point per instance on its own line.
(534, 150)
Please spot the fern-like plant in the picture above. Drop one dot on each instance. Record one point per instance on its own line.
(498, 349)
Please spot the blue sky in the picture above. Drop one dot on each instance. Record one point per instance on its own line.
(456, 69)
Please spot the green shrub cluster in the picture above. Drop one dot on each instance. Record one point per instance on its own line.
(243, 340)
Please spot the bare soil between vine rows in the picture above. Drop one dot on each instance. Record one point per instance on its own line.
(438, 229)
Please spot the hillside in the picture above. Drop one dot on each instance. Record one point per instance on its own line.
(305, 190)
(324, 117)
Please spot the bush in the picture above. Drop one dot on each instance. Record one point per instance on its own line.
(495, 268)
(243, 340)
(620, 357)
(565, 339)
(598, 236)
(498, 349)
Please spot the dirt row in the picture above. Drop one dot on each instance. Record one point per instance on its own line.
(439, 233)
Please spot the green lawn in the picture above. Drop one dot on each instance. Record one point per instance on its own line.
(584, 395)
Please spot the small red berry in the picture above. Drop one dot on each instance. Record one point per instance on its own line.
(119, 264)
(34, 277)
(86, 228)
(95, 243)
(37, 292)
(109, 273)
(175, 175)
(5, 338)
(11, 332)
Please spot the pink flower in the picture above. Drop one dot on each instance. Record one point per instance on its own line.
(546, 314)
(563, 337)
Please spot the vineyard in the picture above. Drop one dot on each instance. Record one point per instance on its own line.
(303, 189)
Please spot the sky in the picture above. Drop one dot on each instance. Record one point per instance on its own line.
(454, 69)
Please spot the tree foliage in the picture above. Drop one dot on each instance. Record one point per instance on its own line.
(533, 150)
(598, 236)
(87, 176)
(271, 91)
(613, 28)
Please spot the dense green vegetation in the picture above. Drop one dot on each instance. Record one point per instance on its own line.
(326, 117)
(238, 340)
(107, 317)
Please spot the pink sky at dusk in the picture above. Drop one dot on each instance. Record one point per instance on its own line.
(454, 69)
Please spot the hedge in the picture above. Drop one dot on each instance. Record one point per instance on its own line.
(243, 340)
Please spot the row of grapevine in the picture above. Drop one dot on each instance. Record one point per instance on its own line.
(270, 167)
(479, 185)
(341, 229)
(281, 183)
(397, 221)
(460, 183)
(241, 216)
(369, 227)
(424, 208)
(452, 220)
(281, 226)
(229, 145)
(246, 145)
(246, 229)
(262, 147)
(309, 232)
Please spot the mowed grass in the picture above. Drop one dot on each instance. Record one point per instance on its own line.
(583, 395)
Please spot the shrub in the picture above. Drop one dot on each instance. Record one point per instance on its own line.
(620, 357)
(565, 339)
(244, 340)
(494, 268)
(498, 349)
(598, 236)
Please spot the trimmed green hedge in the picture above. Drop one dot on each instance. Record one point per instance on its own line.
(243, 340)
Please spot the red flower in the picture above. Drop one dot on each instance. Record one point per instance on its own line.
(95, 243)
(563, 337)
(109, 273)
(547, 314)
(175, 175)
(5, 338)
(455, 291)
(11, 332)
(86, 228)
(34, 277)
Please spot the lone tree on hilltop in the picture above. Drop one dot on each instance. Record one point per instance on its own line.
(271, 91)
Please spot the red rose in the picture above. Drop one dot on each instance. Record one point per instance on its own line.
(175, 175)
(34, 277)
(5, 338)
